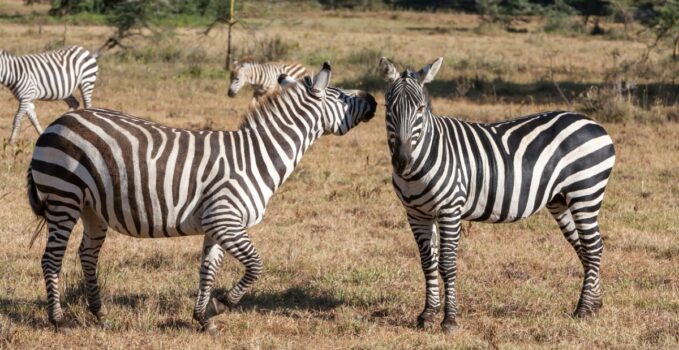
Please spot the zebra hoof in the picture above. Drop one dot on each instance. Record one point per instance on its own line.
(425, 322)
(62, 327)
(589, 310)
(214, 308)
(210, 328)
(104, 325)
(448, 325)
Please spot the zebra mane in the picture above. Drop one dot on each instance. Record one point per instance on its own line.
(4, 53)
(409, 73)
(264, 108)
(244, 61)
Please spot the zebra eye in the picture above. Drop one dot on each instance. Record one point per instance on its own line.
(420, 109)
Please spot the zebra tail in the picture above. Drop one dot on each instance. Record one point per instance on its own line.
(37, 206)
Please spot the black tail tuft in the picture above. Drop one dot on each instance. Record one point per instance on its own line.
(33, 199)
(37, 205)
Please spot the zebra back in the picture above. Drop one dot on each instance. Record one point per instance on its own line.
(49, 75)
(263, 77)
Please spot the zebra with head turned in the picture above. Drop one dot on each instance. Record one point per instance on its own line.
(51, 75)
(148, 180)
(262, 76)
(446, 170)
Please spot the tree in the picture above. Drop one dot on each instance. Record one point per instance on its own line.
(131, 18)
(662, 18)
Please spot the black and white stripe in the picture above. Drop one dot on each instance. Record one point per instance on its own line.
(148, 180)
(51, 75)
(262, 76)
(446, 170)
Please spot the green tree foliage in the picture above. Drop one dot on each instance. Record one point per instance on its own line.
(662, 18)
(166, 7)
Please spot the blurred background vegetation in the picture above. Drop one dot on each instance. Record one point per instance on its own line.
(623, 88)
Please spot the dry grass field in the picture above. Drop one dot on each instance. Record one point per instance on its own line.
(341, 266)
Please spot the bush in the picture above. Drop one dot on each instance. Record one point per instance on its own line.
(560, 22)
(269, 49)
(610, 104)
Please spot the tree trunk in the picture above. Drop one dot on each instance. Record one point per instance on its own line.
(227, 64)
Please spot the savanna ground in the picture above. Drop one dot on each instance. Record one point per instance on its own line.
(341, 267)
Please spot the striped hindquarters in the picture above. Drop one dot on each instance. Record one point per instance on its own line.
(142, 178)
(513, 169)
(55, 75)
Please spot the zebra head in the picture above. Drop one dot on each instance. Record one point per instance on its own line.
(407, 108)
(240, 75)
(340, 110)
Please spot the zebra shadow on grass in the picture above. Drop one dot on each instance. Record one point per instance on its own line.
(290, 302)
(19, 311)
(33, 313)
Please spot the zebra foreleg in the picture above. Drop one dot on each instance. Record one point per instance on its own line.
(72, 103)
(211, 260)
(449, 232)
(238, 244)
(34, 118)
(423, 230)
(60, 222)
(240, 247)
(23, 108)
(94, 234)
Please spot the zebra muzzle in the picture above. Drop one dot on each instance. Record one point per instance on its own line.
(400, 156)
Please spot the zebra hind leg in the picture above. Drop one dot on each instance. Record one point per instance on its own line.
(86, 89)
(581, 230)
(94, 234)
(72, 103)
(60, 222)
(585, 211)
(213, 254)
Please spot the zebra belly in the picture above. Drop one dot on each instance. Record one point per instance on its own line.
(159, 230)
(57, 89)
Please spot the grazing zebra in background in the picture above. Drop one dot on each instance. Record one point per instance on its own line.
(263, 77)
(446, 170)
(148, 180)
(51, 75)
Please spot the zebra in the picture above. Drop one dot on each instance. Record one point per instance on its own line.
(145, 179)
(52, 75)
(446, 170)
(262, 76)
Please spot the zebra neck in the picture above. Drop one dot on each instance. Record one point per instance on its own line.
(421, 150)
(421, 160)
(258, 77)
(279, 141)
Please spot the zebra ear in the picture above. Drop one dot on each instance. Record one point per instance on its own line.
(285, 80)
(322, 79)
(387, 69)
(428, 73)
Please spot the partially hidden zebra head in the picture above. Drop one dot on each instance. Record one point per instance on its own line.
(239, 76)
(407, 104)
(340, 109)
